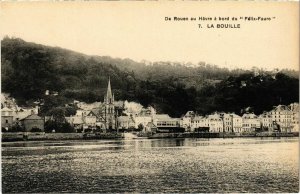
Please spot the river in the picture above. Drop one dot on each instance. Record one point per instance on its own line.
(152, 165)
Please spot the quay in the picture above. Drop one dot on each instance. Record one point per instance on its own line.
(41, 136)
(222, 135)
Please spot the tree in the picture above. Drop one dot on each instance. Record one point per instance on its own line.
(29, 69)
(140, 127)
(58, 114)
(59, 127)
(17, 128)
(51, 125)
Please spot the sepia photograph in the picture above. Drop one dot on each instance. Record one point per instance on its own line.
(149, 96)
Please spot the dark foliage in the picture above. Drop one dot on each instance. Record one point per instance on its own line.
(259, 92)
(59, 127)
(35, 130)
(29, 69)
(17, 128)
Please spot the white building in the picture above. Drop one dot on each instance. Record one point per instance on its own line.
(199, 122)
(83, 119)
(195, 122)
(90, 120)
(250, 122)
(125, 122)
(164, 121)
(149, 111)
(144, 120)
(171, 122)
(237, 123)
(294, 107)
(75, 121)
(187, 120)
(215, 123)
(282, 115)
(228, 122)
(266, 121)
(160, 117)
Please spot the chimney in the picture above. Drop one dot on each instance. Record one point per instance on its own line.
(37, 110)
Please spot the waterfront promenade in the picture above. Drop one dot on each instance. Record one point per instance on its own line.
(41, 136)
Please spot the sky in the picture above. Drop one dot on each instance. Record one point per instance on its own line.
(138, 30)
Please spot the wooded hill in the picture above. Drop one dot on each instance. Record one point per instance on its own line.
(29, 69)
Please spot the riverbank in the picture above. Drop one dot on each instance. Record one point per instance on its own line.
(223, 135)
(40, 136)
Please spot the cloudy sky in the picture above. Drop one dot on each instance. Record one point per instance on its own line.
(138, 30)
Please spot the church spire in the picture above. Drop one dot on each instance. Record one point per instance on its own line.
(109, 94)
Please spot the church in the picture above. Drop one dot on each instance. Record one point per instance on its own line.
(103, 116)
(108, 110)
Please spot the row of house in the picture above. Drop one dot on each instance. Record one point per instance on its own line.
(110, 115)
(281, 118)
(224, 122)
(95, 118)
(27, 117)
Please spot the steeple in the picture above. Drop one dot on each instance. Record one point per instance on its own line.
(109, 96)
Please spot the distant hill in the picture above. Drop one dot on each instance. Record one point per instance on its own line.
(29, 69)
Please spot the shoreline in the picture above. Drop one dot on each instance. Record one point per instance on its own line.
(224, 135)
(41, 136)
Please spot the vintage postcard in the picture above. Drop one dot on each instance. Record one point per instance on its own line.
(150, 97)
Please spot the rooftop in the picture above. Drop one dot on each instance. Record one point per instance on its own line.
(33, 117)
(282, 108)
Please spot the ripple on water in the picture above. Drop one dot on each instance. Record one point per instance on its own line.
(219, 165)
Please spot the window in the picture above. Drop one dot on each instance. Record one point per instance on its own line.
(6, 121)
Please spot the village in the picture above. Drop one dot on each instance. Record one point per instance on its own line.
(122, 116)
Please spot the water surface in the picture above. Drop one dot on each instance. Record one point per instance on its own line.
(156, 165)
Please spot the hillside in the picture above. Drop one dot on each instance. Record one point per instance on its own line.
(29, 69)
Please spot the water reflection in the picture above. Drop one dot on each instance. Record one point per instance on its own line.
(144, 165)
